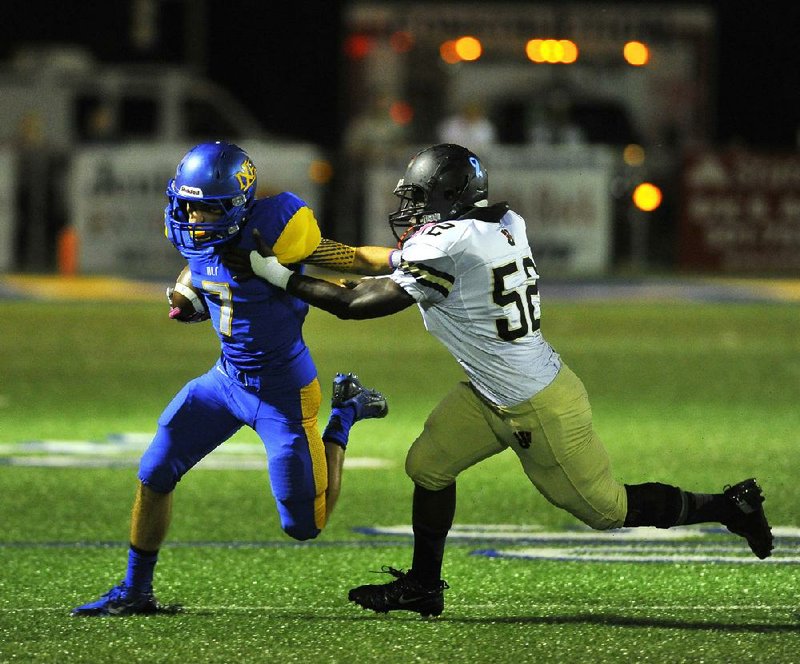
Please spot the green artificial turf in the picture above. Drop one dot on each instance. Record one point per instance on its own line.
(694, 394)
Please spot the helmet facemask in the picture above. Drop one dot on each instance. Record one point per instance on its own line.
(209, 232)
(412, 211)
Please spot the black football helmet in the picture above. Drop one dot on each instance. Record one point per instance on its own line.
(441, 183)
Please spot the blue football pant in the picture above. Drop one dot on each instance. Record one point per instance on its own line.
(211, 408)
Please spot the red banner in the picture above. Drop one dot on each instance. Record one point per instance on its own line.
(741, 212)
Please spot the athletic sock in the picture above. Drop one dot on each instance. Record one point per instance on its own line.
(339, 425)
(655, 504)
(432, 517)
(706, 507)
(141, 566)
(665, 506)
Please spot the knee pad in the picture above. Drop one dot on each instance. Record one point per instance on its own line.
(158, 477)
(423, 474)
(300, 532)
(299, 519)
(654, 504)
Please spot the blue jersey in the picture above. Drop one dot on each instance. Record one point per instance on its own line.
(259, 325)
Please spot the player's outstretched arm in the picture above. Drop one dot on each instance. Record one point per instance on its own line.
(370, 298)
(366, 260)
(332, 255)
(375, 260)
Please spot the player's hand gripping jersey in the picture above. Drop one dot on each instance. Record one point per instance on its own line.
(259, 326)
(475, 282)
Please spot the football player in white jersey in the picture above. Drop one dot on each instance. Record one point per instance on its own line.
(469, 268)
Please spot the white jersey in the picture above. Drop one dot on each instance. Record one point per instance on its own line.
(475, 282)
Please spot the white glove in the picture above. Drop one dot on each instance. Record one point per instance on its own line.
(269, 269)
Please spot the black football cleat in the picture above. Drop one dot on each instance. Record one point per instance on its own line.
(747, 518)
(402, 594)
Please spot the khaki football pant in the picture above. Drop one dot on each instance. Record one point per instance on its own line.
(552, 435)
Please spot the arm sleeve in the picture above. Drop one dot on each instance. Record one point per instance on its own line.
(333, 255)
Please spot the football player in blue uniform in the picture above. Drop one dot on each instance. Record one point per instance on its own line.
(265, 377)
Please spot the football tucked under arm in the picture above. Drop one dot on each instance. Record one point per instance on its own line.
(185, 301)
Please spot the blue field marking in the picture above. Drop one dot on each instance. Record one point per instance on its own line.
(673, 553)
(691, 544)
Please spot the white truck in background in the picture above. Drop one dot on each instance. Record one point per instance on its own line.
(91, 146)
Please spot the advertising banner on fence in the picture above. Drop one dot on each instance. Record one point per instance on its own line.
(118, 199)
(741, 212)
(563, 194)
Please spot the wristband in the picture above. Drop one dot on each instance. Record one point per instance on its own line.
(394, 259)
(268, 268)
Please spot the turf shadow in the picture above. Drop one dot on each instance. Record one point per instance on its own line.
(616, 620)
(603, 619)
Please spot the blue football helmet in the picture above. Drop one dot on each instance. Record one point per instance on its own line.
(215, 177)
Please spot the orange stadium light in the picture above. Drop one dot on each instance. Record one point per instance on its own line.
(633, 154)
(551, 51)
(468, 48)
(647, 196)
(636, 53)
(320, 171)
(448, 53)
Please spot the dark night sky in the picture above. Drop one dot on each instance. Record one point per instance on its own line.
(286, 68)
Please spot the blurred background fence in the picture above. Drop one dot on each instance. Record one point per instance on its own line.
(599, 122)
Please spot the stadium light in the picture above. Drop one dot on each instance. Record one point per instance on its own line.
(647, 196)
(633, 154)
(463, 49)
(551, 51)
(636, 53)
(448, 53)
(468, 48)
